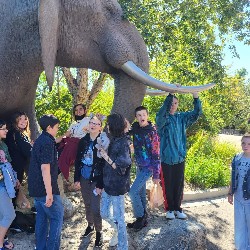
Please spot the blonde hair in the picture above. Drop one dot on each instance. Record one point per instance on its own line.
(247, 135)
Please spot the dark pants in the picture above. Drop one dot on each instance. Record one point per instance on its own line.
(92, 204)
(173, 178)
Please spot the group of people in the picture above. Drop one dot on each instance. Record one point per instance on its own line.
(15, 154)
(102, 171)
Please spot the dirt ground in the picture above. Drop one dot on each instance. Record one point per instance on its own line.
(215, 215)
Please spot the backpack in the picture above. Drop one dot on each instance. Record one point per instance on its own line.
(24, 222)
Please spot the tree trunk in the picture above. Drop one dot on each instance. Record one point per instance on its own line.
(78, 86)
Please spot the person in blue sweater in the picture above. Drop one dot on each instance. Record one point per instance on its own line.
(171, 126)
(146, 144)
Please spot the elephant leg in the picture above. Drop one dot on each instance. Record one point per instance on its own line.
(128, 95)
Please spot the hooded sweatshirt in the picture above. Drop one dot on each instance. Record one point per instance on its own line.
(172, 130)
(146, 147)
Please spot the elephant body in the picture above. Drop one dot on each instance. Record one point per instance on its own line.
(37, 35)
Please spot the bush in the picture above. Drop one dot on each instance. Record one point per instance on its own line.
(208, 162)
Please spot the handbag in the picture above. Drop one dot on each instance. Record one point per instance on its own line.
(156, 196)
(21, 200)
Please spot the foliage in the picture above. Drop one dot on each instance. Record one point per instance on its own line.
(186, 38)
(224, 106)
(57, 102)
(103, 103)
(208, 162)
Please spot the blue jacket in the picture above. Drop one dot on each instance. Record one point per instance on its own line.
(172, 130)
(9, 178)
(235, 176)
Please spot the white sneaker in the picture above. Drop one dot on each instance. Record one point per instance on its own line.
(180, 215)
(170, 215)
(114, 240)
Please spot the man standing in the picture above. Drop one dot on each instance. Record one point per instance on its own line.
(172, 127)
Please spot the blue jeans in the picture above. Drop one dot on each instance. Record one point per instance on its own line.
(242, 224)
(48, 217)
(115, 219)
(137, 191)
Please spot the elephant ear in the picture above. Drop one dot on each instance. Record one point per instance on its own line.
(48, 17)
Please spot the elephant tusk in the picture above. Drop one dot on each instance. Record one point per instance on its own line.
(136, 73)
(155, 92)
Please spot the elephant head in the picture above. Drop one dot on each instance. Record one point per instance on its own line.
(93, 34)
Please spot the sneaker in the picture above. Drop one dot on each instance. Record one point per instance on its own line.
(98, 239)
(89, 230)
(170, 215)
(114, 240)
(181, 215)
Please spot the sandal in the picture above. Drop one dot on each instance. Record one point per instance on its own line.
(8, 245)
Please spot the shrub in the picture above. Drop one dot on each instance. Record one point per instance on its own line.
(208, 162)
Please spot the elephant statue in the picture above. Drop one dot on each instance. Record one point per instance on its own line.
(38, 35)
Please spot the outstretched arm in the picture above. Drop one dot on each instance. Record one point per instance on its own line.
(163, 113)
(192, 116)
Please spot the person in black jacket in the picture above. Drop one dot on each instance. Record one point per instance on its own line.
(116, 179)
(88, 175)
(20, 146)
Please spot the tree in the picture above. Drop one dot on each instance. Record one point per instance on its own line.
(79, 86)
(57, 102)
(186, 38)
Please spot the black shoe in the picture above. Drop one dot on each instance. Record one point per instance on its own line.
(140, 223)
(98, 239)
(33, 210)
(88, 231)
(131, 225)
(15, 228)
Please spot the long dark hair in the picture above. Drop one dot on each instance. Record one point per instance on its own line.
(117, 124)
(2, 123)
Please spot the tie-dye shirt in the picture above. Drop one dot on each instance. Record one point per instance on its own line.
(146, 147)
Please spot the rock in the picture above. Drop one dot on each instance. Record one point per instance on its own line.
(68, 208)
(67, 204)
(172, 235)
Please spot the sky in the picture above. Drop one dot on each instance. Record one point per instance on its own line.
(238, 63)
